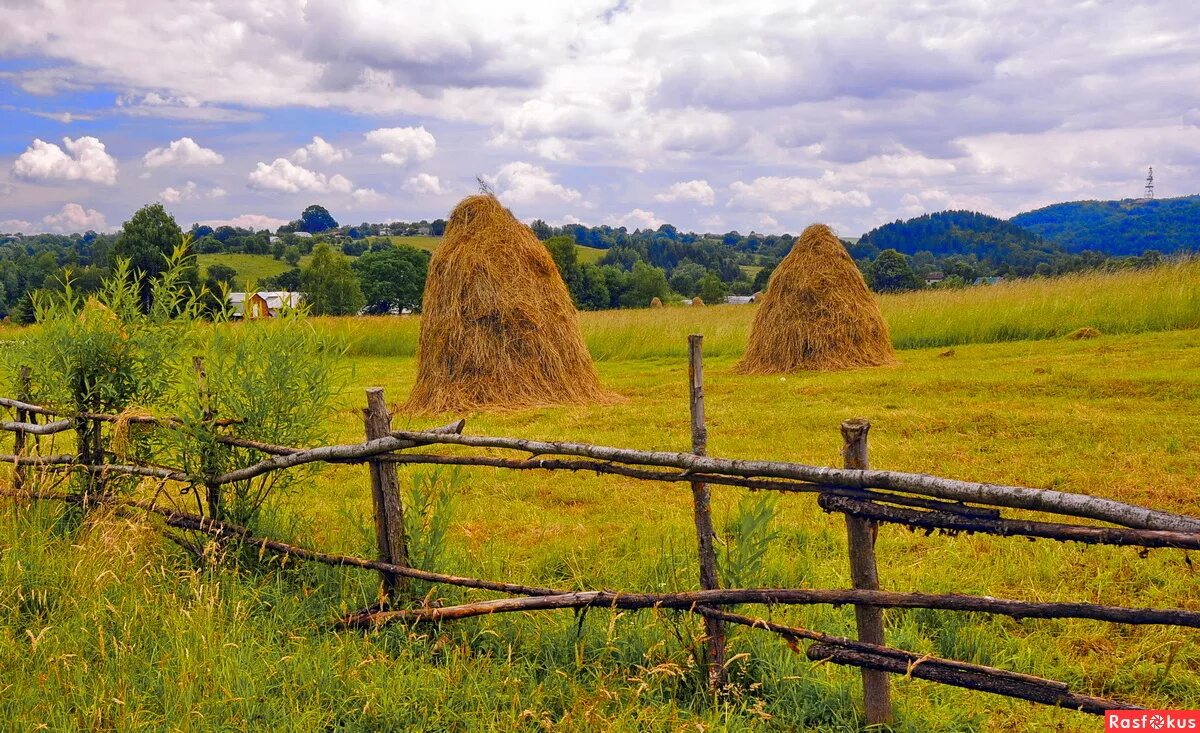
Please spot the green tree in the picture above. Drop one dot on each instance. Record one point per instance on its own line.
(393, 277)
(685, 279)
(317, 219)
(592, 293)
(762, 278)
(646, 282)
(222, 273)
(892, 273)
(711, 289)
(291, 255)
(146, 241)
(329, 284)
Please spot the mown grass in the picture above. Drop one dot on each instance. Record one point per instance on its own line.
(1130, 301)
(111, 627)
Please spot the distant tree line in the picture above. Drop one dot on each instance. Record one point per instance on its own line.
(369, 268)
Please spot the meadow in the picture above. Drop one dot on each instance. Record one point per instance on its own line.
(113, 628)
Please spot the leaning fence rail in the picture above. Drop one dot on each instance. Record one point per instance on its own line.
(866, 497)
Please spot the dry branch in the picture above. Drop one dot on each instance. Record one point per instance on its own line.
(562, 464)
(945, 671)
(784, 596)
(333, 453)
(1010, 527)
(72, 462)
(901, 662)
(49, 428)
(1015, 497)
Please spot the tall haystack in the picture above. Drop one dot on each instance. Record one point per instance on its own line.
(498, 329)
(817, 313)
(656, 302)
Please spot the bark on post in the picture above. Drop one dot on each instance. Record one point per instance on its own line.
(864, 575)
(212, 490)
(19, 436)
(702, 511)
(385, 492)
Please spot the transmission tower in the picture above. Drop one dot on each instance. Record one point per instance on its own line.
(1149, 194)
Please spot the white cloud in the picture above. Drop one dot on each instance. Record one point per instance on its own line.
(12, 226)
(181, 152)
(364, 196)
(320, 151)
(74, 218)
(403, 145)
(283, 175)
(695, 191)
(189, 191)
(84, 159)
(639, 219)
(255, 222)
(424, 183)
(526, 183)
(785, 194)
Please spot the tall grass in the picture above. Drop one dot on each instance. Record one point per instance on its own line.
(1130, 301)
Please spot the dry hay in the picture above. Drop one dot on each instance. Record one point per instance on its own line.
(697, 301)
(655, 302)
(498, 329)
(1087, 332)
(817, 313)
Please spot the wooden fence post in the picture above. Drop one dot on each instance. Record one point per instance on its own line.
(864, 574)
(212, 491)
(385, 492)
(19, 436)
(702, 511)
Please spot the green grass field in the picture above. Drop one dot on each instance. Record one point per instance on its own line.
(113, 628)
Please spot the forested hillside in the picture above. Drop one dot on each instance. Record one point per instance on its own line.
(1126, 227)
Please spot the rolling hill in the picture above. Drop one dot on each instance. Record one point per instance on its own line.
(952, 233)
(1126, 227)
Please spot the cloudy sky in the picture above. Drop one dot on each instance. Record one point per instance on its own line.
(752, 115)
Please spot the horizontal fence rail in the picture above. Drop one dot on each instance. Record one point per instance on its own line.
(866, 497)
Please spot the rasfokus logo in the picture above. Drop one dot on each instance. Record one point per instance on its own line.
(1151, 720)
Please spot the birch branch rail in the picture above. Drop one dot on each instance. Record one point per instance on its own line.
(1013, 497)
(49, 428)
(333, 454)
(997, 681)
(934, 520)
(782, 596)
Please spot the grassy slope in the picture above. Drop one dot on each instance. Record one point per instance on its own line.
(586, 254)
(249, 267)
(258, 267)
(120, 618)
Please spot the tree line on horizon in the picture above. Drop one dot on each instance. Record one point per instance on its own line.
(360, 268)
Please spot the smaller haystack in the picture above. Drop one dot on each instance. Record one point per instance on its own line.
(498, 329)
(817, 313)
(697, 301)
(655, 302)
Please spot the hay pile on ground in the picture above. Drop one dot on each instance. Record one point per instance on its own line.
(655, 302)
(817, 313)
(1087, 332)
(697, 301)
(498, 329)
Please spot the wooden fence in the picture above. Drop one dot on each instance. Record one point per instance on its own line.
(866, 497)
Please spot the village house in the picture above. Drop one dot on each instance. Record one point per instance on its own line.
(263, 304)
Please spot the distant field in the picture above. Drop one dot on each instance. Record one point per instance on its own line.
(260, 267)
(1134, 301)
(586, 254)
(249, 267)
